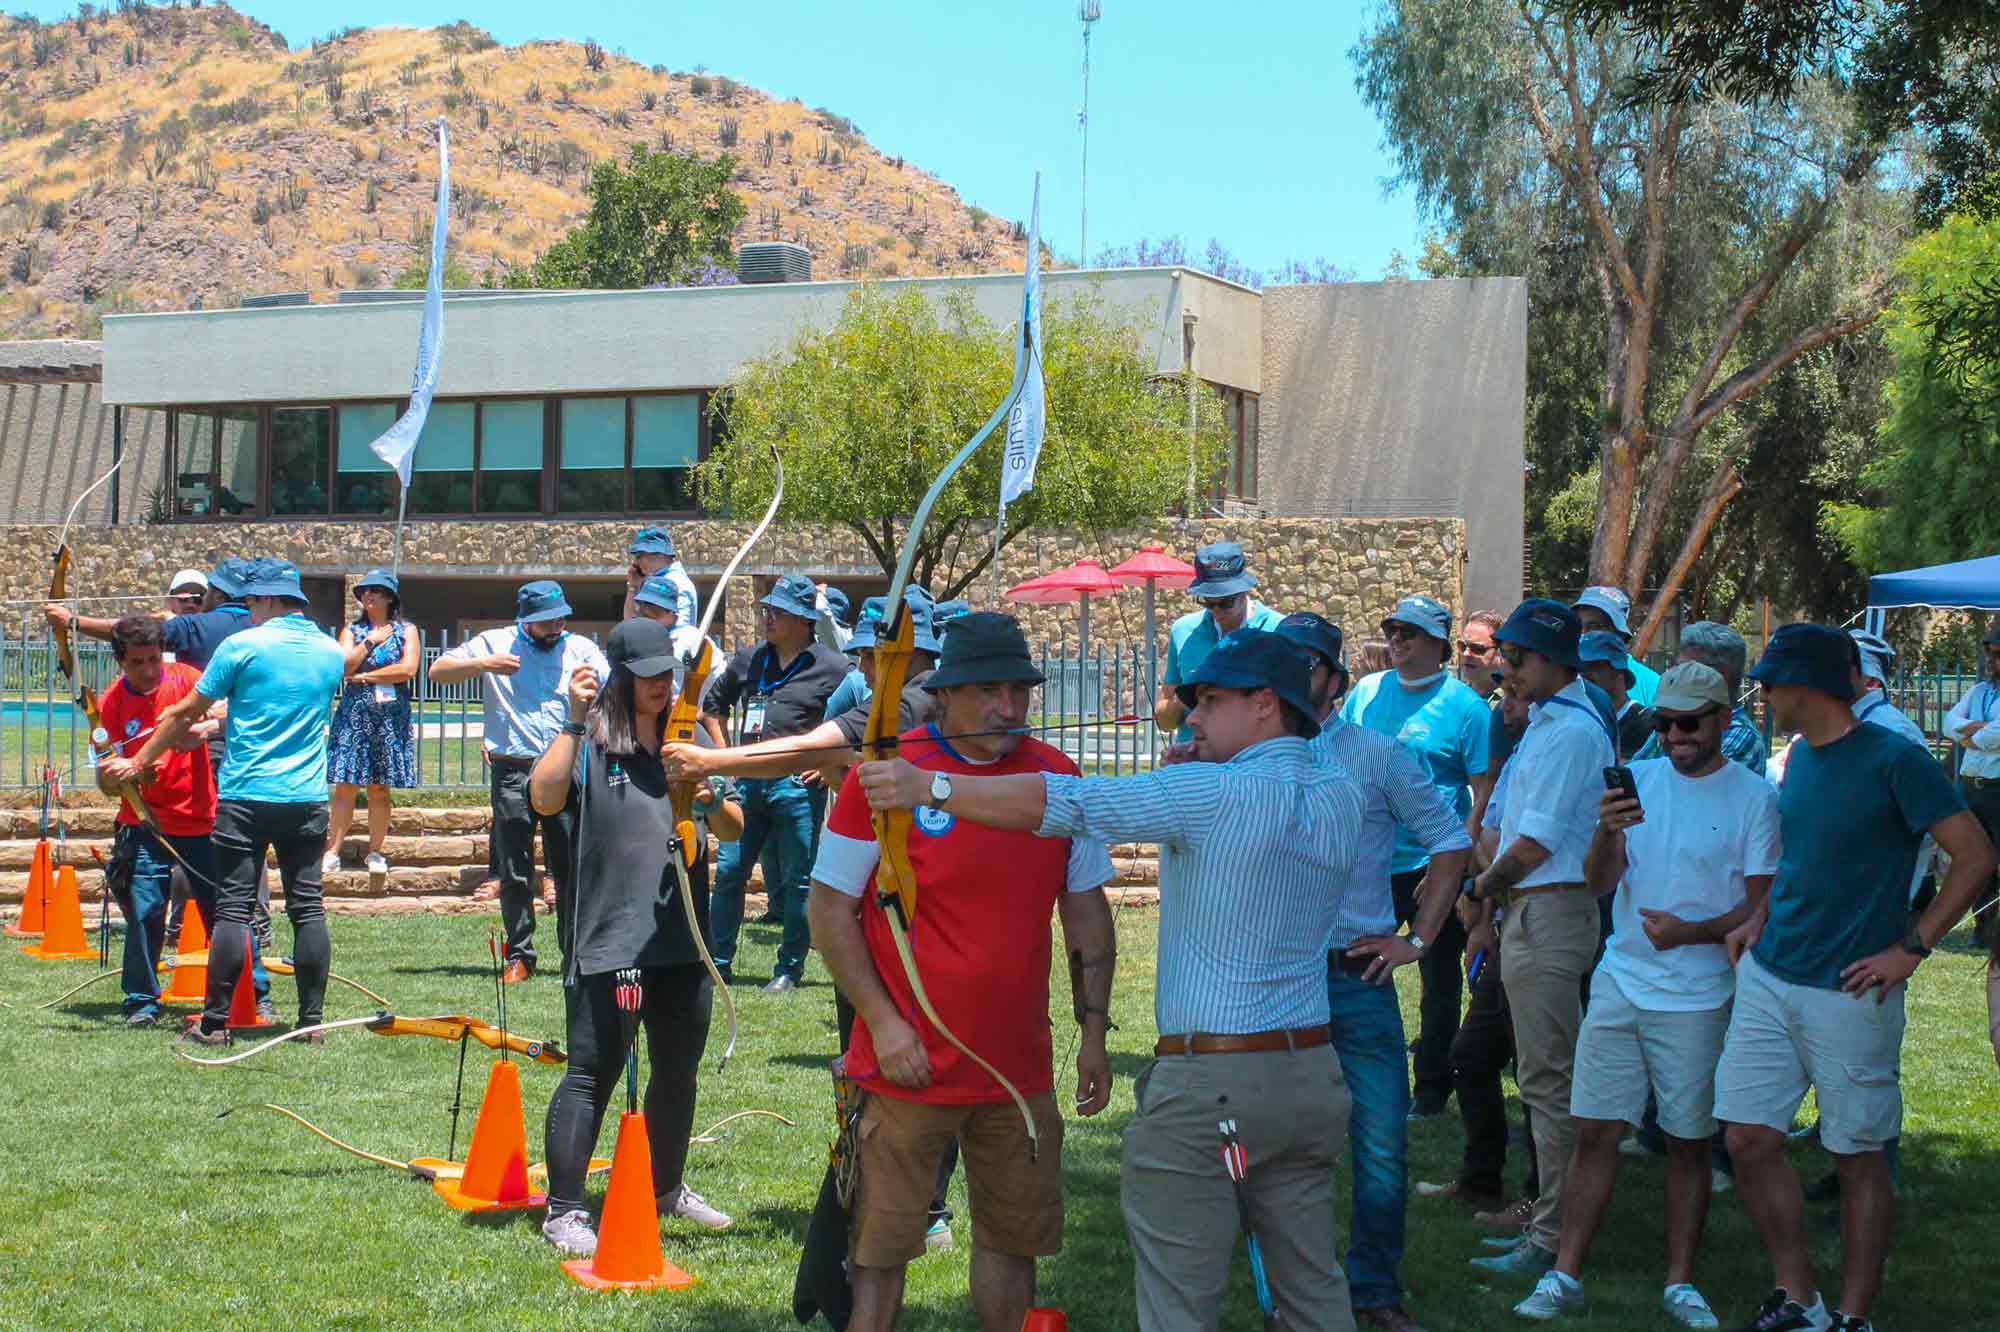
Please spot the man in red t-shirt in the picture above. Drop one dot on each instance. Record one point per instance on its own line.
(180, 791)
(981, 943)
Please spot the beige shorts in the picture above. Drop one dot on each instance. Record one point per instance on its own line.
(1784, 1038)
(1625, 1051)
(1017, 1204)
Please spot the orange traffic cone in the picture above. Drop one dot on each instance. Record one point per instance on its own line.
(62, 927)
(35, 898)
(628, 1253)
(243, 1003)
(1045, 1320)
(190, 983)
(496, 1164)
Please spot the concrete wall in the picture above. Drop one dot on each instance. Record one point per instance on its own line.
(598, 341)
(1401, 395)
(55, 439)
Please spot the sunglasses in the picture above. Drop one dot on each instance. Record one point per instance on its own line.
(1394, 631)
(1471, 648)
(1685, 725)
(1512, 655)
(1219, 603)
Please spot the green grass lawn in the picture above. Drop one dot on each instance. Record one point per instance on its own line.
(124, 1202)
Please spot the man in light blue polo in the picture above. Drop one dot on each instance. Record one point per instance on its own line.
(653, 553)
(1609, 608)
(1222, 583)
(277, 677)
(1448, 727)
(525, 670)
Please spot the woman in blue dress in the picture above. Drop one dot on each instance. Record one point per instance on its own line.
(372, 743)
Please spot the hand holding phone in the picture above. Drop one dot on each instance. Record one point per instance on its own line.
(1620, 807)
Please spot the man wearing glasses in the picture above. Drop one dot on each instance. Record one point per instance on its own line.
(1609, 608)
(187, 592)
(1447, 726)
(1718, 645)
(1682, 860)
(1222, 583)
(1478, 654)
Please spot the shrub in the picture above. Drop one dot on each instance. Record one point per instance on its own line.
(52, 215)
(593, 55)
(726, 89)
(726, 132)
(534, 93)
(701, 85)
(648, 100)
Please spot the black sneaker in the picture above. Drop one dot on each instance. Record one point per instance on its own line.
(194, 1035)
(1781, 1313)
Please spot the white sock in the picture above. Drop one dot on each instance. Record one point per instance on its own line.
(1569, 1282)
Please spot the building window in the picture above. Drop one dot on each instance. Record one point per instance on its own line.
(592, 474)
(441, 468)
(510, 456)
(363, 483)
(215, 462)
(301, 460)
(666, 444)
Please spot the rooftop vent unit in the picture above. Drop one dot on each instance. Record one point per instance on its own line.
(774, 261)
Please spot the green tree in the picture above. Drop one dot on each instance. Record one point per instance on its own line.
(866, 412)
(657, 220)
(1929, 497)
(1687, 216)
(457, 277)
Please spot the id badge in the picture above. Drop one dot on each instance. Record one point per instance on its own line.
(385, 695)
(753, 719)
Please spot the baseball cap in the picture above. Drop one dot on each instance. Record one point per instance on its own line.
(1691, 686)
(188, 578)
(643, 647)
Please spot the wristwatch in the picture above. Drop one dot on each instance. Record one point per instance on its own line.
(1913, 942)
(940, 790)
(1418, 942)
(575, 728)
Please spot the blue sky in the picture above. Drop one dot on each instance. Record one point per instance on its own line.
(1238, 122)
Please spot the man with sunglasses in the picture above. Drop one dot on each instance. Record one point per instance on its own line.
(1222, 583)
(1478, 653)
(1446, 725)
(1718, 645)
(1681, 861)
(187, 592)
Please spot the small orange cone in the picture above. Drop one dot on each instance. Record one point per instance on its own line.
(1045, 1320)
(243, 1003)
(496, 1164)
(189, 985)
(35, 898)
(628, 1253)
(62, 927)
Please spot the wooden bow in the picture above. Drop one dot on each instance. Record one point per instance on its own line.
(444, 1027)
(683, 719)
(895, 644)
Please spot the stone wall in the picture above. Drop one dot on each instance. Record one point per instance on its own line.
(1352, 570)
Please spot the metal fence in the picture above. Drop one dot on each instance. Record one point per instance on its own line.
(1097, 707)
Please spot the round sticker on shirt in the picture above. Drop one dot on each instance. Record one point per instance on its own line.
(131, 728)
(935, 822)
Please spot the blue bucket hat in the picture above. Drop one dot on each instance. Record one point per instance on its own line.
(794, 594)
(1605, 646)
(947, 611)
(231, 577)
(1616, 606)
(1427, 615)
(1220, 571)
(1548, 627)
(864, 625)
(274, 578)
(1257, 659)
(1812, 655)
(923, 629)
(660, 590)
(541, 600)
(1316, 633)
(840, 607)
(652, 541)
(381, 578)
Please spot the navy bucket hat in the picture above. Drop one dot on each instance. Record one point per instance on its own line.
(274, 578)
(1316, 633)
(794, 594)
(1812, 655)
(1257, 659)
(1548, 627)
(541, 600)
(1221, 571)
(984, 647)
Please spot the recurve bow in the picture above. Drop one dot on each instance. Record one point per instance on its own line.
(446, 1027)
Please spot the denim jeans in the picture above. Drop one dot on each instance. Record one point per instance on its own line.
(780, 811)
(1368, 1037)
(146, 921)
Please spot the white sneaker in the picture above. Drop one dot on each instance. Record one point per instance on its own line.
(691, 1206)
(1685, 1306)
(1720, 1181)
(377, 863)
(938, 1238)
(570, 1232)
(330, 863)
(1555, 1294)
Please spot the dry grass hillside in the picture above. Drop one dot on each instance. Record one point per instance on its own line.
(151, 157)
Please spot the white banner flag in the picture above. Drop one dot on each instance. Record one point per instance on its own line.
(397, 445)
(1028, 421)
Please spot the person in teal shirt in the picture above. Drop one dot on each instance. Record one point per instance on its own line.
(1222, 583)
(278, 678)
(1446, 725)
(1609, 608)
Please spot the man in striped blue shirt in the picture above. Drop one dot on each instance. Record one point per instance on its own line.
(1362, 956)
(1250, 836)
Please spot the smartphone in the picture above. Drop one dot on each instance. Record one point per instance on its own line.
(1619, 779)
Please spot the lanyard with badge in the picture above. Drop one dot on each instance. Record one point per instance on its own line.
(759, 705)
(384, 694)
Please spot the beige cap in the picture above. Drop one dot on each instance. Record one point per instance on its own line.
(1689, 686)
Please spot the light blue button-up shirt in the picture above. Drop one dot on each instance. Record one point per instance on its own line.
(1982, 753)
(1554, 780)
(525, 710)
(1247, 850)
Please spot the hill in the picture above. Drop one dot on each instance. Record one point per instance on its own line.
(154, 157)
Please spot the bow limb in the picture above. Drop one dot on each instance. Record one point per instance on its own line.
(282, 966)
(292, 1035)
(79, 989)
(321, 1133)
(707, 1135)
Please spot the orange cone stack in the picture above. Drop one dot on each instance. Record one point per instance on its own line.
(628, 1253)
(496, 1164)
(35, 899)
(190, 979)
(243, 1003)
(62, 927)
(1045, 1320)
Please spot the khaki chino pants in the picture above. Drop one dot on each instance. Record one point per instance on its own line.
(1546, 945)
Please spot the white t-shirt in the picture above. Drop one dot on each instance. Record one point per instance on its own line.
(1701, 838)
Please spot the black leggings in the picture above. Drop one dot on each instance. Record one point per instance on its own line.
(674, 1011)
(244, 829)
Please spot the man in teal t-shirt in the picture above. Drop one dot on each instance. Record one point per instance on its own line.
(1222, 583)
(1446, 725)
(1609, 608)
(1820, 992)
(278, 678)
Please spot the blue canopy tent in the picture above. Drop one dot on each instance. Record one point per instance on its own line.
(1968, 584)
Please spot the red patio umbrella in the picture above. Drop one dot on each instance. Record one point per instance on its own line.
(1077, 582)
(1153, 567)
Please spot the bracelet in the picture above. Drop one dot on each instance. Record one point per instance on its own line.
(574, 728)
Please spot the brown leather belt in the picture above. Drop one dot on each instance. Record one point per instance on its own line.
(1516, 894)
(509, 761)
(1298, 1038)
